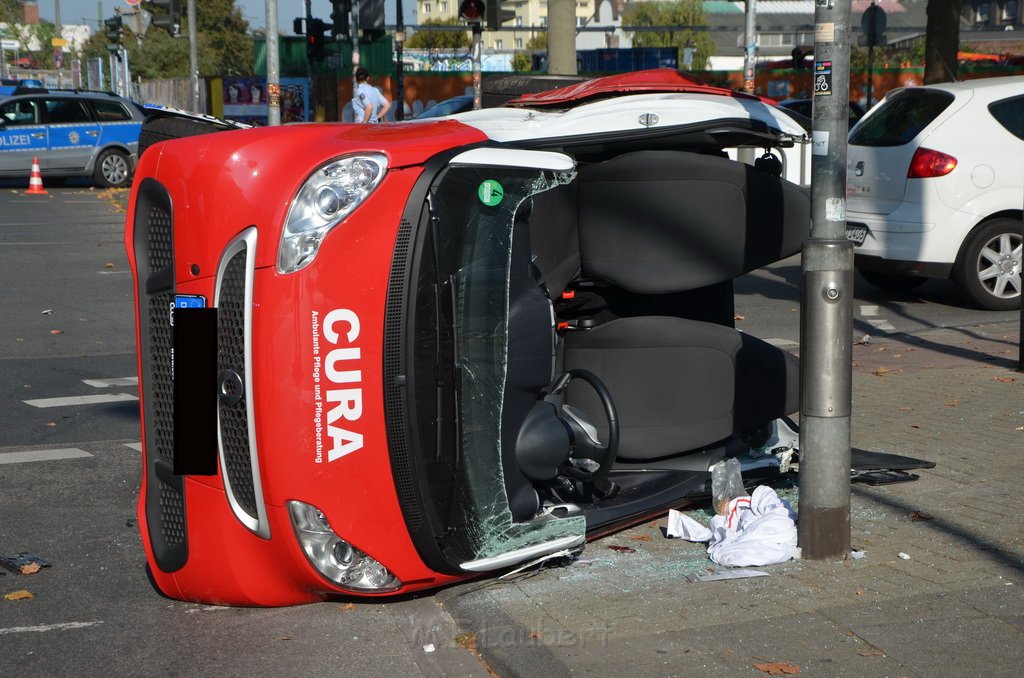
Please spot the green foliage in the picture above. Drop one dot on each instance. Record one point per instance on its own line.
(457, 38)
(521, 61)
(10, 11)
(538, 42)
(43, 33)
(678, 19)
(913, 56)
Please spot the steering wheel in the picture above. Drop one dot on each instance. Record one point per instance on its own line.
(593, 460)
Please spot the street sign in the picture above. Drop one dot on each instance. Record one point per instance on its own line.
(58, 57)
(10, 44)
(872, 23)
(58, 42)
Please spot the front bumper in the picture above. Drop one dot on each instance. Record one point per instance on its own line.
(226, 538)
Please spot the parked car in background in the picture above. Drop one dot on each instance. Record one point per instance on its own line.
(459, 104)
(806, 106)
(935, 188)
(72, 133)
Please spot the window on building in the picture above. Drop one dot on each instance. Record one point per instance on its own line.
(519, 21)
(498, 44)
(444, 7)
(983, 11)
(519, 43)
(426, 8)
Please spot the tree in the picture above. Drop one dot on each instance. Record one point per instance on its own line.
(10, 11)
(942, 40)
(678, 20)
(456, 38)
(225, 46)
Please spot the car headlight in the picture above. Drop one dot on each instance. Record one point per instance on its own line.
(335, 558)
(330, 194)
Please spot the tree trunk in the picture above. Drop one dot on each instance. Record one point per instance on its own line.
(942, 40)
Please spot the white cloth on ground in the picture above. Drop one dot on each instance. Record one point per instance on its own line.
(756, 530)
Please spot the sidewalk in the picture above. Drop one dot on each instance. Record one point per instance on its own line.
(953, 606)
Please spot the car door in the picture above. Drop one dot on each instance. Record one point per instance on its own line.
(22, 135)
(73, 134)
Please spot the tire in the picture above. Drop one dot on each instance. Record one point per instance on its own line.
(988, 267)
(161, 128)
(892, 283)
(113, 169)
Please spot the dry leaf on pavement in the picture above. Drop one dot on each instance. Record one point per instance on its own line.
(18, 595)
(778, 668)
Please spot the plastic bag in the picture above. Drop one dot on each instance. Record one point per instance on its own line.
(726, 484)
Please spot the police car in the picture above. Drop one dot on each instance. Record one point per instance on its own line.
(72, 133)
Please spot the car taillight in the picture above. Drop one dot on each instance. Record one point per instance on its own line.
(928, 163)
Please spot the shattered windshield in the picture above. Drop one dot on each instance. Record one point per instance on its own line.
(459, 361)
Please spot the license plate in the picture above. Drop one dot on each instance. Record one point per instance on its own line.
(856, 233)
(196, 301)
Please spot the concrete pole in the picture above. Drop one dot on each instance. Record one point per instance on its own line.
(750, 47)
(399, 66)
(193, 56)
(273, 66)
(826, 309)
(58, 31)
(478, 31)
(562, 37)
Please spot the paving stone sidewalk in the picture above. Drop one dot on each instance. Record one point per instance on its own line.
(939, 591)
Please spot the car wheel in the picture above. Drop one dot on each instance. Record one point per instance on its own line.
(157, 129)
(113, 169)
(892, 283)
(988, 268)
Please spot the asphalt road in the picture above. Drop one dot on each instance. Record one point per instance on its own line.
(70, 470)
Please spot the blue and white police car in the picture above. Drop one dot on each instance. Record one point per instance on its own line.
(72, 133)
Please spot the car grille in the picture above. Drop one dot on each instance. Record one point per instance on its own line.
(165, 492)
(401, 464)
(237, 448)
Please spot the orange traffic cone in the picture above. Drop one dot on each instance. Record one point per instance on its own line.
(35, 183)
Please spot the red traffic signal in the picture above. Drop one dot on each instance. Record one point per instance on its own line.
(472, 11)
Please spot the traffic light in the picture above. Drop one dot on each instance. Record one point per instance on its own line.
(340, 11)
(371, 20)
(113, 29)
(315, 47)
(496, 16)
(471, 11)
(170, 18)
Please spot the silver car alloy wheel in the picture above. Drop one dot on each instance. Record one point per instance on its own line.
(115, 169)
(998, 266)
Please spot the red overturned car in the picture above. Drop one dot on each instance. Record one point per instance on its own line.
(379, 359)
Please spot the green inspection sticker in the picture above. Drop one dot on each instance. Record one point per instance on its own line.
(490, 192)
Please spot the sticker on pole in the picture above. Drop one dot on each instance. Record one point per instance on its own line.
(822, 78)
(490, 192)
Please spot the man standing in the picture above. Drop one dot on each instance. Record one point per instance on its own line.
(369, 105)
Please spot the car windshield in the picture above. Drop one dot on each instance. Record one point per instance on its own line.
(901, 117)
(459, 351)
